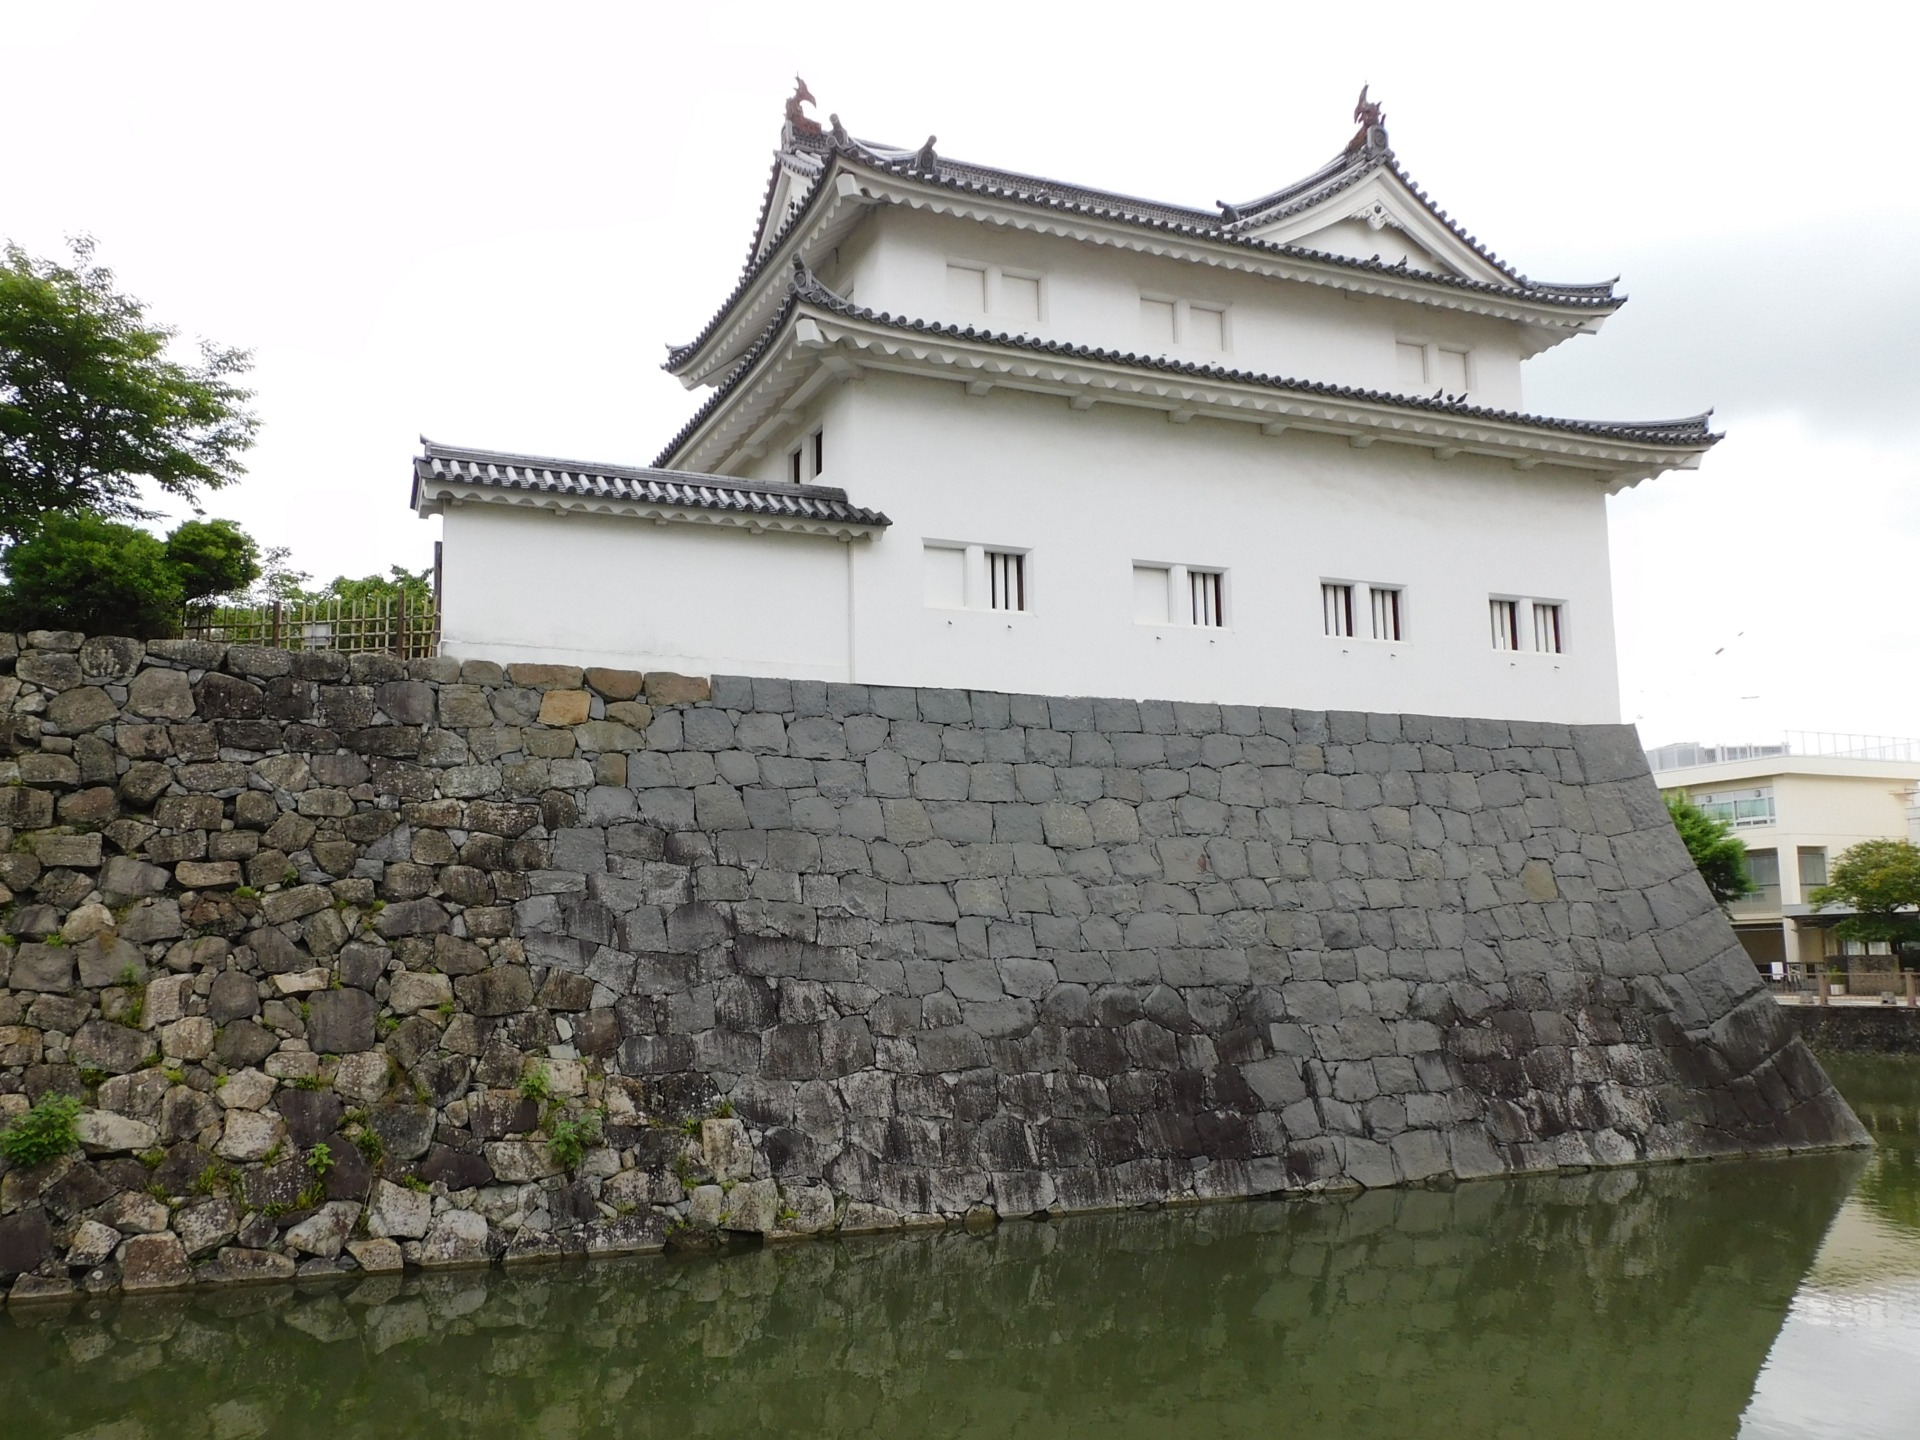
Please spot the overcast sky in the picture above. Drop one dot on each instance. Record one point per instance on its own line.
(484, 223)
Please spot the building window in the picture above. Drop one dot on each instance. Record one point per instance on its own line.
(1764, 867)
(1168, 320)
(946, 576)
(1206, 589)
(1505, 615)
(1151, 586)
(967, 288)
(1427, 368)
(1742, 809)
(993, 290)
(812, 452)
(1006, 580)
(1813, 868)
(1546, 628)
(1386, 612)
(1336, 608)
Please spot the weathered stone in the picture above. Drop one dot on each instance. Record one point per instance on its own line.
(516, 1162)
(115, 1049)
(326, 1231)
(81, 852)
(134, 1213)
(153, 1262)
(249, 1135)
(91, 1244)
(341, 1022)
(160, 695)
(458, 1237)
(728, 1152)
(565, 707)
(205, 1227)
(503, 990)
(242, 1265)
(396, 1213)
(663, 687)
(83, 708)
(26, 1242)
(42, 967)
(615, 684)
(406, 1130)
(377, 1256)
(103, 1133)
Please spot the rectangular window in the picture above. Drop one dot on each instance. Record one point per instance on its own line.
(1336, 607)
(1413, 367)
(1150, 587)
(1386, 612)
(946, 577)
(1449, 370)
(1813, 867)
(1206, 327)
(1546, 628)
(1208, 594)
(819, 452)
(1006, 580)
(1505, 615)
(793, 465)
(1019, 297)
(1764, 867)
(1742, 809)
(1156, 320)
(967, 289)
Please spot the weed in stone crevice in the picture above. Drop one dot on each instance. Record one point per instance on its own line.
(46, 1132)
(371, 1146)
(569, 1139)
(153, 1159)
(320, 1160)
(537, 1084)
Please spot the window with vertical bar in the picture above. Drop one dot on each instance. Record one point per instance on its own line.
(1006, 580)
(1546, 628)
(1386, 612)
(1336, 607)
(819, 452)
(1207, 590)
(1505, 615)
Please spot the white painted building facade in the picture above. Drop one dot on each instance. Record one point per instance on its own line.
(971, 429)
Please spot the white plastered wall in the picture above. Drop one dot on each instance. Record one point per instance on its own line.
(524, 584)
(1091, 296)
(1089, 494)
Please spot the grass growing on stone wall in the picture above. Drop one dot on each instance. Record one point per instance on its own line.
(46, 1132)
(570, 1139)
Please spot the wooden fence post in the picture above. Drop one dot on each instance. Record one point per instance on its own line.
(274, 638)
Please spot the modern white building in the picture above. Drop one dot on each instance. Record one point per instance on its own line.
(966, 427)
(1798, 804)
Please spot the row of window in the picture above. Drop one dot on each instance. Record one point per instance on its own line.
(976, 577)
(1742, 809)
(1172, 320)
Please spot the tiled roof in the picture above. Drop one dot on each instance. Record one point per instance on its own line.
(1689, 432)
(1212, 225)
(637, 485)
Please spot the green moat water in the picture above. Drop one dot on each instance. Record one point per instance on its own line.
(1763, 1300)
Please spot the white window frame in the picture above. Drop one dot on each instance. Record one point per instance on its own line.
(1503, 624)
(991, 286)
(1392, 617)
(1337, 618)
(1554, 612)
(1183, 309)
(1006, 580)
(1430, 361)
(1180, 578)
(979, 590)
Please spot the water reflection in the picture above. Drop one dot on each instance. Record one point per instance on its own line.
(1621, 1303)
(1843, 1364)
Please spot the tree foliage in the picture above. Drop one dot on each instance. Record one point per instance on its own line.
(1880, 881)
(417, 586)
(80, 572)
(213, 557)
(90, 404)
(1720, 858)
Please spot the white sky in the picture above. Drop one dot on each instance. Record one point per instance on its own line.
(485, 222)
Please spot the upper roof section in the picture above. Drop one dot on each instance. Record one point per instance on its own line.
(445, 475)
(1359, 223)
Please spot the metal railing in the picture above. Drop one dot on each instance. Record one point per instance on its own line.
(390, 625)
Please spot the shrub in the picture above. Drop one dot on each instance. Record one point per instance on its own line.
(571, 1139)
(46, 1132)
(80, 572)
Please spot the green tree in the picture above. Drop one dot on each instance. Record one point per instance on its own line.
(91, 407)
(79, 572)
(213, 557)
(1880, 881)
(417, 587)
(1720, 858)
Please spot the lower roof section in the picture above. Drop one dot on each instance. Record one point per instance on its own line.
(446, 475)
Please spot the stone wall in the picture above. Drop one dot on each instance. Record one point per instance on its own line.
(1857, 1029)
(338, 955)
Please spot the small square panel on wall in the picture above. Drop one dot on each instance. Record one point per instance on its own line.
(1150, 589)
(946, 576)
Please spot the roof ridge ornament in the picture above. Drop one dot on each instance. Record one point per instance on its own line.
(1371, 138)
(798, 122)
